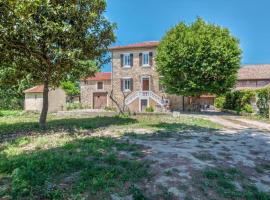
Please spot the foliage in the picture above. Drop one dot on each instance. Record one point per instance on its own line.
(71, 88)
(262, 102)
(220, 101)
(239, 101)
(248, 108)
(109, 108)
(198, 58)
(53, 41)
(74, 106)
(11, 94)
(149, 109)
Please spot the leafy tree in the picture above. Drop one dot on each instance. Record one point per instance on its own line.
(11, 90)
(198, 58)
(53, 40)
(72, 88)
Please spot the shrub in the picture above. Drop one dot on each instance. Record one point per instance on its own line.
(149, 109)
(74, 106)
(220, 101)
(238, 100)
(248, 109)
(108, 108)
(262, 102)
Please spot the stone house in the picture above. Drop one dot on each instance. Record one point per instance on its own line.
(253, 77)
(95, 90)
(133, 80)
(34, 99)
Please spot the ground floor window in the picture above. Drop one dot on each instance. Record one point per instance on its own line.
(100, 85)
(126, 84)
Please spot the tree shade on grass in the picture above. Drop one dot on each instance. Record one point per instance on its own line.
(53, 41)
(198, 58)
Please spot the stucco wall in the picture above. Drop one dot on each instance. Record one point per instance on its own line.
(90, 87)
(34, 101)
(57, 100)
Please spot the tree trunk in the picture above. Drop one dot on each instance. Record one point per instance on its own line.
(43, 115)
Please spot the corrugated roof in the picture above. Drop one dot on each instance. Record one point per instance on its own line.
(254, 72)
(100, 76)
(137, 45)
(36, 89)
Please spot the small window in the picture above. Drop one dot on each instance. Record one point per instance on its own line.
(127, 60)
(100, 85)
(126, 84)
(146, 59)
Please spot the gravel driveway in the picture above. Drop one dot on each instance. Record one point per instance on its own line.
(239, 153)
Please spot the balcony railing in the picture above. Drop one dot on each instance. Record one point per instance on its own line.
(144, 94)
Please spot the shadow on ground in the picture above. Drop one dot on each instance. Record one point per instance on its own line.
(166, 130)
(92, 168)
(12, 131)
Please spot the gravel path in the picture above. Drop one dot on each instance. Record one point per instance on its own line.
(242, 144)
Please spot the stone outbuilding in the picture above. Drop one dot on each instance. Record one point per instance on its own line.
(95, 91)
(34, 99)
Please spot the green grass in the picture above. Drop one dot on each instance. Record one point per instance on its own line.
(222, 182)
(66, 162)
(58, 167)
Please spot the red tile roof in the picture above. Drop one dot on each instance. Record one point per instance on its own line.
(36, 89)
(137, 45)
(100, 76)
(254, 72)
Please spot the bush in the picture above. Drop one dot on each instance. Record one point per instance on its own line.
(247, 109)
(108, 108)
(149, 109)
(219, 102)
(262, 102)
(74, 106)
(238, 100)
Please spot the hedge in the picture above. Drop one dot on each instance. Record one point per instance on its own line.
(240, 101)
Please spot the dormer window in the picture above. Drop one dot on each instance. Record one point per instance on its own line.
(145, 60)
(126, 60)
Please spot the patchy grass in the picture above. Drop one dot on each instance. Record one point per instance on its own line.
(230, 183)
(62, 163)
(58, 167)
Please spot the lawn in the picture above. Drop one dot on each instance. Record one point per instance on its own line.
(101, 157)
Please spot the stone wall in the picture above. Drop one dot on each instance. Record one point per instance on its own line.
(90, 87)
(136, 72)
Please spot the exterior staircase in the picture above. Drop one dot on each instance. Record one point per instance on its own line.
(145, 94)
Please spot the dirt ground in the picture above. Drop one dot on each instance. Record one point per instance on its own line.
(179, 160)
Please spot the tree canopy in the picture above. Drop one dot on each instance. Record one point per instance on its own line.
(53, 40)
(198, 58)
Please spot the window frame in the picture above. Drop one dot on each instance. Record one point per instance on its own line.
(128, 79)
(148, 55)
(102, 85)
(128, 60)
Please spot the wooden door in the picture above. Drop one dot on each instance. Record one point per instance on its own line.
(145, 84)
(99, 100)
(144, 104)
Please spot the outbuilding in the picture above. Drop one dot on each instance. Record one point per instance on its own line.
(34, 99)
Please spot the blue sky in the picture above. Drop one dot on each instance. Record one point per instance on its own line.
(148, 20)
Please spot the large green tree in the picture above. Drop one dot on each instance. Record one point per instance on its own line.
(53, 40)
(198, 58)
